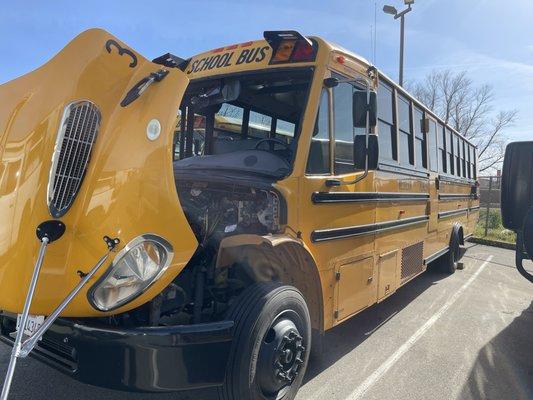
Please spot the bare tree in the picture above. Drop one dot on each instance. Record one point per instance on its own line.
(468, 108)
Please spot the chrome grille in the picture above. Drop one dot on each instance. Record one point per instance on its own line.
(75, 139)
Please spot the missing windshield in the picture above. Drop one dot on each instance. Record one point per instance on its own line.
(248, 123)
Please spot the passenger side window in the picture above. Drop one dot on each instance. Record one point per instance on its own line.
(449, 151)
(386, 128)
(442, 149)
(344, 129)
(420, 140)
(406, 136)
(318, 161)
(433, 151)
(457, 153)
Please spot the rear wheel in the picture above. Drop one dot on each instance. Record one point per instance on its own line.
(271, 344)
(450, 259)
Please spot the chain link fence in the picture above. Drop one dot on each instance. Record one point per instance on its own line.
(490, 218)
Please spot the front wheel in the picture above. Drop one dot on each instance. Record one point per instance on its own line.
(271, 344)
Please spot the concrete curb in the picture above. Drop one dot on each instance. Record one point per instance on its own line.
(495, 243)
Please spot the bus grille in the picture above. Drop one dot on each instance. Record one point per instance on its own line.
(75, 139)
(412, 260)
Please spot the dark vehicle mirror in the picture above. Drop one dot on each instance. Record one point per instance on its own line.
(517, 200)
(527, 230)
(517, 184)
(360, 151)
(361, 107)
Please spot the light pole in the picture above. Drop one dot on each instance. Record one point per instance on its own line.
(392, 10)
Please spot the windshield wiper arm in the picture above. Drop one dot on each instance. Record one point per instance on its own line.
(142, 85)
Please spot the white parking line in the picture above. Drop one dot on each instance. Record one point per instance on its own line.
(383, 368)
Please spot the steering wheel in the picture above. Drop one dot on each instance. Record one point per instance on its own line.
(274, 140)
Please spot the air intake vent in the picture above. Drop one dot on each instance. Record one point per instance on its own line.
(75, 139)
(412, 260)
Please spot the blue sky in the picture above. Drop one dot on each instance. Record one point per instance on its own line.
(491, 39)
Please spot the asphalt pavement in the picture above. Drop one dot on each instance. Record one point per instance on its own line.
(464, 336)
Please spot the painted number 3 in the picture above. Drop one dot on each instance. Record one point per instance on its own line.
(121, 50)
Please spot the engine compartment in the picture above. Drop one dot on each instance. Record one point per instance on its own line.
(203, 291)
(217, 210)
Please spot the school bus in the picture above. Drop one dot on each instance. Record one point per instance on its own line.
(250, 198)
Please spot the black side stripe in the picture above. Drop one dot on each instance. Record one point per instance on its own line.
(455, 196)
(474, 208)
(359, 230)
(356, 197)
(446, 214)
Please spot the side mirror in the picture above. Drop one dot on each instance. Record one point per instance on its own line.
(360, 151)
(360, 107)
(517, 200)
(527, 230)
(517, 184)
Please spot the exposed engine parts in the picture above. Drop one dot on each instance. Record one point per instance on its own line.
(216, 211)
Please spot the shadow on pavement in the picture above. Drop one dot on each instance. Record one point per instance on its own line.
(504, 366)
(344, 338)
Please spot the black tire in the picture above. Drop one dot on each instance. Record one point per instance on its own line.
(271, 344)
(449, 260)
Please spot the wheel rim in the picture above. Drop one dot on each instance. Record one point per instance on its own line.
(281, 356)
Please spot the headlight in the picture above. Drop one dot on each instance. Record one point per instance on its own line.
(133, 270)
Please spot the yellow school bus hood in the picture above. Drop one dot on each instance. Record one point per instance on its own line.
(128, 188)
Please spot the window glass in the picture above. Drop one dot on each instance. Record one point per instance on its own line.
(387, 136)
(259, 125)
(386, 129)
(406, 136)
(404, 115)
(318, 161)
(474, 162)
(228, 121)
(420, 140)
(344, 130)
(463, 158)
(385, 103)
(285, 129)
(443, 165)
(457, 154)
(433, 151)
(449, 151)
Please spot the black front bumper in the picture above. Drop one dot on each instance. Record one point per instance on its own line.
(150, 359)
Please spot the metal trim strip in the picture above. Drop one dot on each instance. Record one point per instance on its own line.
(446, 214)
(356, 197)
(455, 196)
(321, 235)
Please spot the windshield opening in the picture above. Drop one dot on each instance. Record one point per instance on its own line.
(222, 122)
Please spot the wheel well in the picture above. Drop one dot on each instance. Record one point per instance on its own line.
(287, 262)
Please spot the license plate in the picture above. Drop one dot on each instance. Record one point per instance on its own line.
(33, 323)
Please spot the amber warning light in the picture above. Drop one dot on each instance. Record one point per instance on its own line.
(289, 46)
